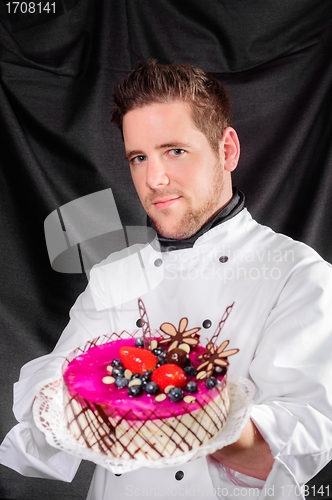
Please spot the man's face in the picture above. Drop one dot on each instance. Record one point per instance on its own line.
(179, 178)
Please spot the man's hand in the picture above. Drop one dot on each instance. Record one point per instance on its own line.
(250, 455)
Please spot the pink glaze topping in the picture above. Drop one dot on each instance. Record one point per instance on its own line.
(84, 379)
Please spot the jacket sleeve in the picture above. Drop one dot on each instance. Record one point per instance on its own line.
(25, 449)
(292, 370)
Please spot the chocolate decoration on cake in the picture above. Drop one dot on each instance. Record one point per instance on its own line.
(144, 323)
(177, 356)
(216, 356)
(180, 335)
(221, 324)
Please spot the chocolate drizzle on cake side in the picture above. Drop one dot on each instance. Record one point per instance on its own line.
(127, 437)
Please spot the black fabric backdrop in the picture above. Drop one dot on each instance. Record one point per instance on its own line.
(57, 144)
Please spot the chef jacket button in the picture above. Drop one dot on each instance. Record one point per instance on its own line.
(139, 323)
(179, 475)
(223, 259)
(117, 474)
(206, 323)
(158, 262)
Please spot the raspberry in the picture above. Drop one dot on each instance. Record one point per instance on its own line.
(137, 359)
(169, 374)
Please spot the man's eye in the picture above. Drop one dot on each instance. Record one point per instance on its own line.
(176, 152)
(138, 159)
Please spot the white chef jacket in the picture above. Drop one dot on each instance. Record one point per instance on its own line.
(281, 321)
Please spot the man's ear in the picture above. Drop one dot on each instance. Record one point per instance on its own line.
(229, 149)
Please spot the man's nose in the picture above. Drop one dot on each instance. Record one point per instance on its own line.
(156, 174)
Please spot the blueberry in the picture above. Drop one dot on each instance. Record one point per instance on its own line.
(151, 388)
(162, 358)
(135, 375)
(158, 350)
(135, 390)
(190, 370)
(211, 382)
(175, 394)
(116, 363)
(145, 377)
(118, 372)
(121, 382)
(139, 342)
(220, 370)
(191, 387)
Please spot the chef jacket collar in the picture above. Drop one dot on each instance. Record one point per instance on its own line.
(235, 206)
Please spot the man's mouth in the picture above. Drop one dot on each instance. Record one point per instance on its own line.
(161, 203)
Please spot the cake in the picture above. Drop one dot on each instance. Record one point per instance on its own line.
(147, 397)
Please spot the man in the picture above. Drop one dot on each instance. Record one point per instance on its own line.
(182, 175)
(176, 126)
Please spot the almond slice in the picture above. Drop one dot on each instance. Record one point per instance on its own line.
(160, 397)
(135, 381)
(189, 399)
(108, 380)
(185, 347)
(153, 344)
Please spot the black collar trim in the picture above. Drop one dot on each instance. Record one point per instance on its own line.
(235, 206)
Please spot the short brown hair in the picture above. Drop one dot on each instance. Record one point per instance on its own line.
(152, 81)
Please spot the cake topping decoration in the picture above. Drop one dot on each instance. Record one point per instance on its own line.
(185, 347)
(177, 357)
(169, 374)
(175, 394)
(136, 359)
(108, 380)
(135, 381)
(144, 323)
(221, 324)
(160, 397)
(215, 357)
(153, 345)
(189, 399)
(168, 388)
(191, 387)
(180, 335)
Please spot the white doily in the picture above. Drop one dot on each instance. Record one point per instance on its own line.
(49, 418)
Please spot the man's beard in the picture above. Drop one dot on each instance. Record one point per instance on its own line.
(194, 218)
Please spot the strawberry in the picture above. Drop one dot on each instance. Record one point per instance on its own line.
(169, 374)
(137, 360)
